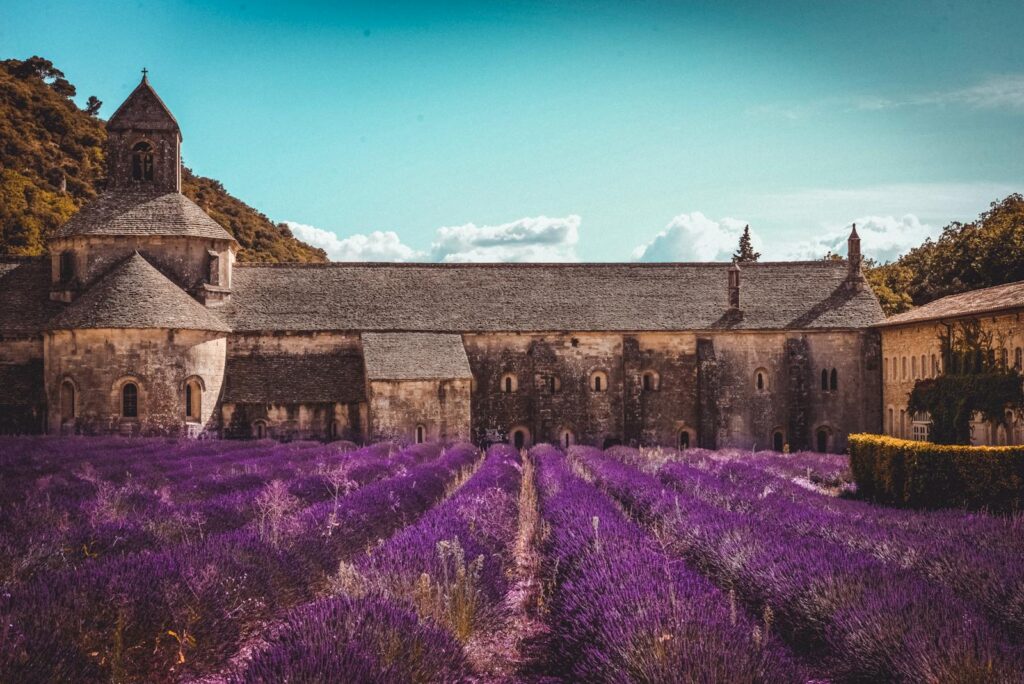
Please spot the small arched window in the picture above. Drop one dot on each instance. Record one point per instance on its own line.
(598, 381)
(903, 369)
(761, 380)
(913, 368)
(892, 424)
(259, 429)
(519, 437)
(552, 384)
(130, 400)
(193, 400)
(650, 381)
(684, 440)
(509, 383)
(67, 401)
(935, 366)
(67, 267)
(833, 381)
(142, 162)
(824, 380)
(566, 438)
(1017, 358)
(1004, 358)
(421, 434)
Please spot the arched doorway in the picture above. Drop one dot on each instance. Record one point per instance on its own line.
(519, 437)
(259, 429)
(684, 440)
(778, 441)
(822, 439)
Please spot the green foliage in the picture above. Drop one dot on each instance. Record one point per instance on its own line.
(973, 381)
(746, 252)
(967, 256)
(924, 475)
(52, 162)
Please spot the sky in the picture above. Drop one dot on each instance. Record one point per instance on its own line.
(572, 131)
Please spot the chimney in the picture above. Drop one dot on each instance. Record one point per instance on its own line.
(855, 277)
(734, 286)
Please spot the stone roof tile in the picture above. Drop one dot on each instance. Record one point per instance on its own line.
(545, 297)
(294, 378)
(414, 356)
(141, 212)
(25, 304)
(136, 295)
(987, 300)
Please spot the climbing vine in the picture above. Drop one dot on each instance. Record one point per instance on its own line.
(973, 381)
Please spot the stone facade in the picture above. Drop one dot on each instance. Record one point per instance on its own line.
(911, 351)
(140, 322)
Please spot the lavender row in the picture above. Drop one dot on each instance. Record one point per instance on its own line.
(405, 608)
(157, 616)
(976, 556)
(619, 609)
(867, 621)
(130, 518)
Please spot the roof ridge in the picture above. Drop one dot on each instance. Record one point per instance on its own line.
(823, 263)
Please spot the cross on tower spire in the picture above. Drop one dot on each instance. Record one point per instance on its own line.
(144, 72)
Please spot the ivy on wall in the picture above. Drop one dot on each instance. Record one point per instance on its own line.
(973, 381)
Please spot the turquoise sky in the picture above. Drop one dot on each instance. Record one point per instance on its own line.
(572, 130)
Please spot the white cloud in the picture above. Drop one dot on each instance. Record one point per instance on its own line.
(377, 246)
(538, 238)
(695, 237)
(881, 237)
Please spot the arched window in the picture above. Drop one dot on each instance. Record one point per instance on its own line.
(903, 424)
(142, 162)
(650, 381)
(421, 434)
(885, 369)
(68, 410)
(598, 381)
(822, 439)
(903, 370)
(67, 267)
(332, 429)
(778, 441)
(519, 437)
(509, 383)
(193, 400)
(892, 425)
(833, 381)
(913, 368)
(824, 380)
(761, 380)
(566, 438)
(1004, 357)
(935, 366)
(1017, 358)
(259, 429)
(130, 400)
(684, 440)
(552, 384)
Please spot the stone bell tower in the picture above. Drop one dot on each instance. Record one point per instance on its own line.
(144, 144)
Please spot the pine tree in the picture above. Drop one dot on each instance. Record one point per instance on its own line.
(746, 251)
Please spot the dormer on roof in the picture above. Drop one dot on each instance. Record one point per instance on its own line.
(144, 144)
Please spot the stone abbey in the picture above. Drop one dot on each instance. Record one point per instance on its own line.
(140, 322)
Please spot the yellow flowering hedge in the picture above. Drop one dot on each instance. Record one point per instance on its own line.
(903, 472)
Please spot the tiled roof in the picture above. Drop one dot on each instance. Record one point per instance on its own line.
(138, 212)
(136, 295)
(291, 378)
(989, 299)
(414, 356)
(545, 297)
(25, 304)
(143, 109)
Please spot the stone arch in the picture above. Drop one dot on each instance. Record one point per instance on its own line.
(122, 397)
(192, 389)
(823, 439)
(650, 380)
(421, 433)
(519, 436)
(779, 439)
(69, 399)
(143, 161)
(509, 383)
(598, 380)
(761, 380)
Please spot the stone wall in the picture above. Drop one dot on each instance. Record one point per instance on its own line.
(185, 260)
(286, 422)
(913, 351)
(97, 363)
(398, 407)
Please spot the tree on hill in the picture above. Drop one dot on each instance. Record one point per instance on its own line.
(966, 256)
(745, 253)
(52, 162)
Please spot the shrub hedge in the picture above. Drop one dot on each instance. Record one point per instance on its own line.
(915, 474)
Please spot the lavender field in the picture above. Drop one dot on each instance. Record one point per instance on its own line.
(152, 561)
